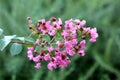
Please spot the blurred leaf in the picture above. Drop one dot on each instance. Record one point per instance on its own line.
(5, 41)
(108, 49)
(38, 74)
(66, 73)
(90, 72)
(106, 65)
(1, 31)
(15, 49)
(13, 65)
(105, 77)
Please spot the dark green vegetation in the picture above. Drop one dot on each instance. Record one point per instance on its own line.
(102, 60)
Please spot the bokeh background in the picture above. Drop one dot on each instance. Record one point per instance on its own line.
(102, 59)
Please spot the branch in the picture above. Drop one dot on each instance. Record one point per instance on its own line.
(19, 42)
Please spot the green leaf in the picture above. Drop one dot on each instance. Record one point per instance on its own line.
(54, 45)
(46, 38)
(20, 38)
(29, 39)
(38, 48)
(58, 38)
(5, 41)
(15, 49)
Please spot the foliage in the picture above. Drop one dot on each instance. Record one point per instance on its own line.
(102, 59)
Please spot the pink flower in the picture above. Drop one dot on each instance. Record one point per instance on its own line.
(50, 49)
(81, 52)
(60, 44)
(68, 21)
(68, 44)
(69, 26)
(56, 25)
(93, 34)
(37, 58)
(74, 35)
(82, 44)
(57, 58)
(42, 21)
(82, 23)
(71, 52)
(92, 40)
(87, 30)
(45, 27)
(31, 48)
(61, 61)
(59, 21)
(52, 32)
(50, 65)
(74, 41)
(81, 48)
(38, 65)
(37, 42)
(77, 21)
(48, 26)
(57, 52)
(47, 57)
(65, 33)
(30, 54)
(64, 63)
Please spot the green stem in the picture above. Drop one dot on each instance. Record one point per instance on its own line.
(52, 40)
(21, 42)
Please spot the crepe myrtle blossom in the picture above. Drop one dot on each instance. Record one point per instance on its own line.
(50, 49)
(64, 40)
(38, 65)
(30, 53)
(47, 57)
(81, 48)
(92, 33)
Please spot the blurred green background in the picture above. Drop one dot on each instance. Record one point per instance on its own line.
(102, 60)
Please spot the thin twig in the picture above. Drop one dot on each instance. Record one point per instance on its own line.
(19, 42)
(52, 40)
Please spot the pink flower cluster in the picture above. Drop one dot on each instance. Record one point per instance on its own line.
(74, 37)
(46, 28)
